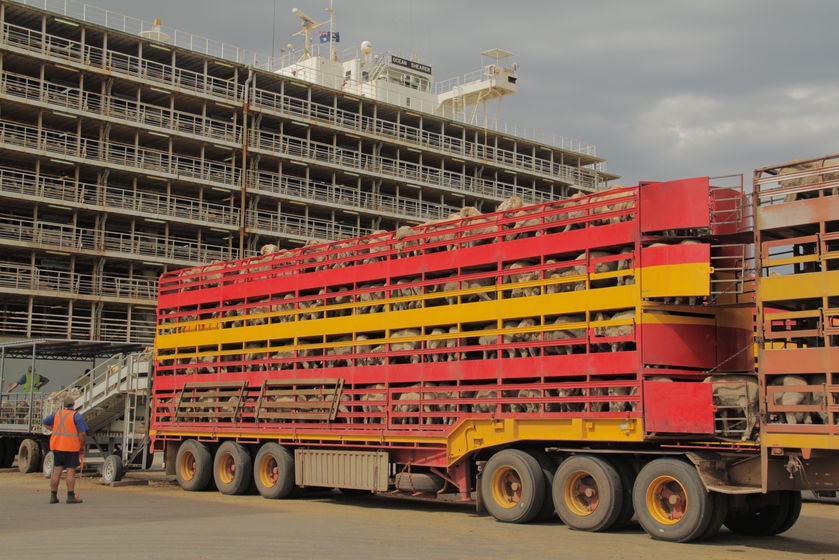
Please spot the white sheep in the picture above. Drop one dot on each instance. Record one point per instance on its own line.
(736, 400)
(627, 328)
(791, 398)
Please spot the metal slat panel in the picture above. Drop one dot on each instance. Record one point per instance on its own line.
(362, 470)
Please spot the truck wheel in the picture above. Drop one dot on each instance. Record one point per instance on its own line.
(49, 463)
(232, 468)
(112, 469)
(29, 456)
(671, 502)
(588, 493)
(768, 519)
(627, 474)
(193, 466)
(273, 471)
(548, 511)
(7, 455)
(720, 505)
(513, 486)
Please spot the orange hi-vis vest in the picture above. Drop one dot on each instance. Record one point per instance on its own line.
(65, 436)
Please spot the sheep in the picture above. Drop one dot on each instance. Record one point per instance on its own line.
(618, 390)
(484, 395)
(369, 293)
(485, 341)
(524, 394)
(524, 337)
(513, 203)
(471, 218)
(621, 208)
(260, 313)
(814, 177)
(407, 406)
(736, 400)
(397, 345)
(268, 249)
(484, 294)
(794, 398)
(372, 412)
(404, 289)
(377, 242)
(452, 343)
(565, 279)
(567, 400)
(526, 220)
(405, 248)
(614, 331)
(512, 277)
(282, 359)
(336, 355)
(435, 343)
(560, 334)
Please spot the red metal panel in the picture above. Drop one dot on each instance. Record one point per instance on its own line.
(675, 205)
(735, 349)
(807, 211)
(679, 345)
(675, 254)
(678, 408)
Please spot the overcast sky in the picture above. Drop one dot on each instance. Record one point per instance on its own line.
(664, 89)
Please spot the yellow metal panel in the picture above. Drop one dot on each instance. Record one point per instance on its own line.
(472, 435)
(485, 311)
(467, 437)
(689, 279)
(799, 286)
(801, 441)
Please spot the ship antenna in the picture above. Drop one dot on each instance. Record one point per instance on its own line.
(331, 30)
(306, 29)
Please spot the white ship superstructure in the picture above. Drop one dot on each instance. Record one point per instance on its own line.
(128, 149)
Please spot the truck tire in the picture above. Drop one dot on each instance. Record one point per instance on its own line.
(12, 445)
(29, 456)
(513, 486)
(193, 466)
(588, 493)
(548, 511)
(112, 469)
(627, 474)
(49, 464)
(718, 516)
(232, 468)
(273, 471)
(671, 502)
(7, 457)
(769, 519)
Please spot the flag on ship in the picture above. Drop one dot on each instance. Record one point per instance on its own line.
(326, 36)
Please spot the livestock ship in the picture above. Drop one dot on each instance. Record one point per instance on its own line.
(130, 149)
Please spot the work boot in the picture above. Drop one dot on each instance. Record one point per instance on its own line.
(73, 500)
(53, 498)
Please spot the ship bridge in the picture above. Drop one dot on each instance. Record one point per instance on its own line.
(493, 81)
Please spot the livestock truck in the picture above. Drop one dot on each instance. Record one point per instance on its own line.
(666, 351)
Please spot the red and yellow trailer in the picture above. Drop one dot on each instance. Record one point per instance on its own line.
(592, 357)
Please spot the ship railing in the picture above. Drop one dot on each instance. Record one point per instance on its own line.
(25, 278)
(79, 193)
(112, 153)
(75, 238)
(204, 84)
(63, 97)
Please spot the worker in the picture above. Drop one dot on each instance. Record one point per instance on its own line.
(69, 432)
(30, 381)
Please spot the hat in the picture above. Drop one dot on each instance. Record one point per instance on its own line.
(69, 401)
